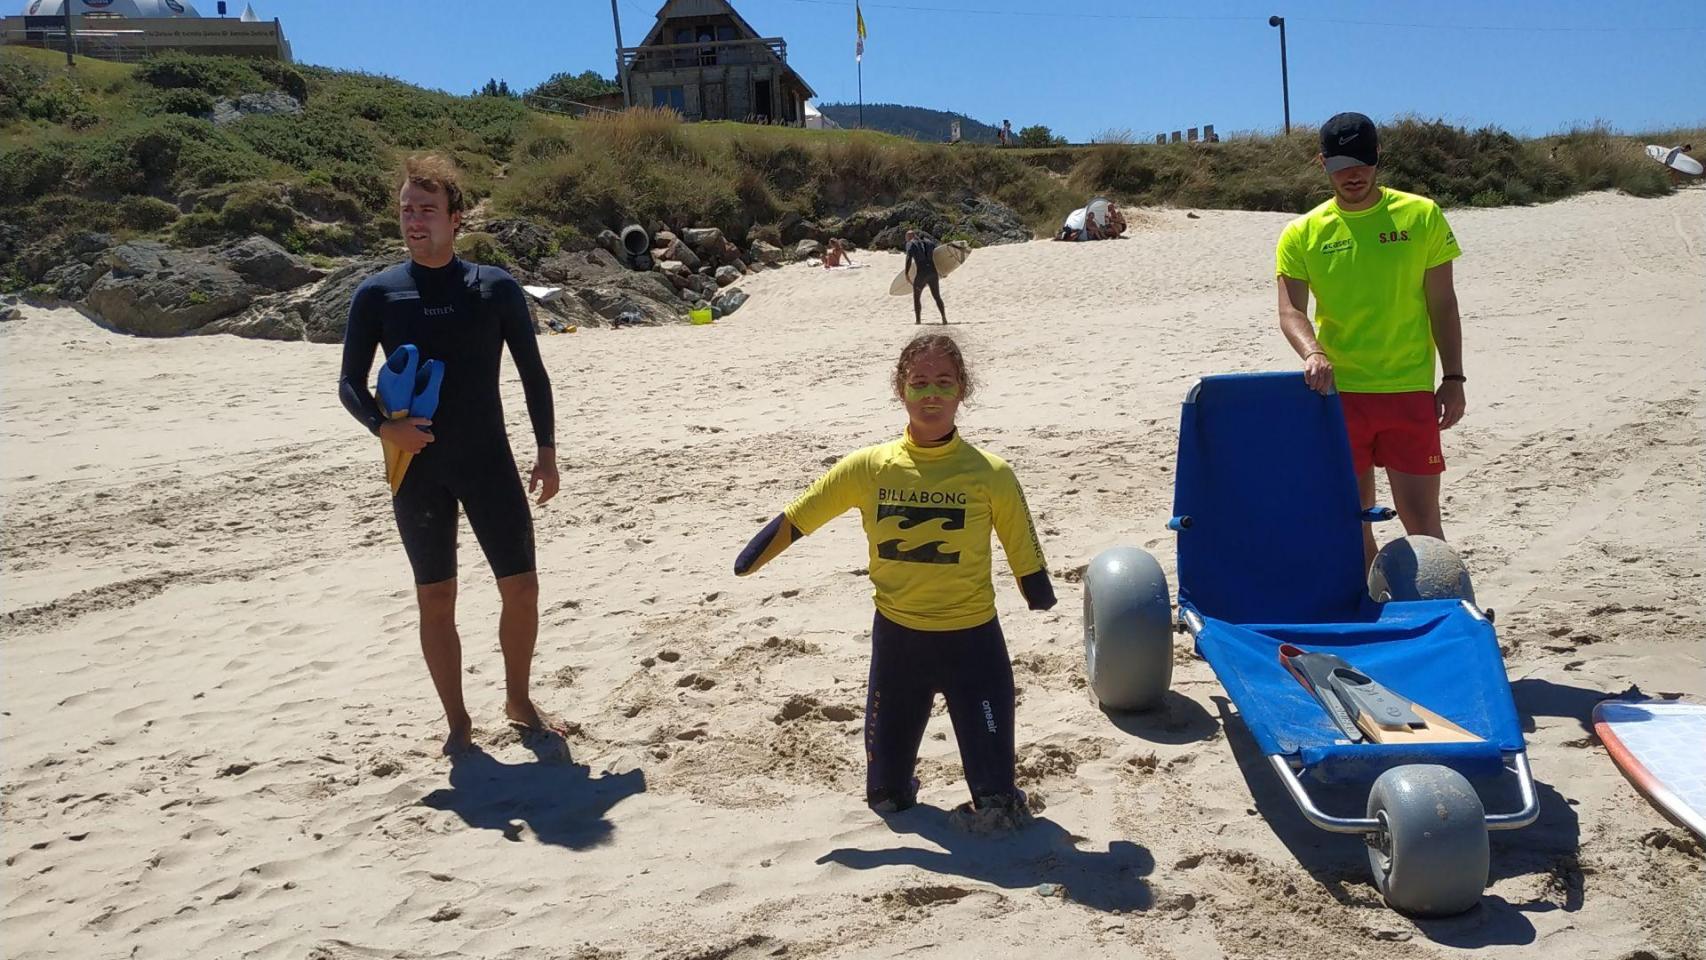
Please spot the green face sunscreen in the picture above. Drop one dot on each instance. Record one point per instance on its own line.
(931, 391)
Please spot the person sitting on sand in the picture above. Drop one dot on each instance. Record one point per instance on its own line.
(929, 502)
(836, 255)
(1116, 222)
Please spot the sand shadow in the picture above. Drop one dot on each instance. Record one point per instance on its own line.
(1042, 852)
(1543, 698)
(560, 802)
(1339, 862)
(1178, 719)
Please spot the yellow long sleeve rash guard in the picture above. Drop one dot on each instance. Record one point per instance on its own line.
(928, 513)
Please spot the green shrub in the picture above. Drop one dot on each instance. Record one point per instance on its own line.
(1039, 136)
(198, 229)
(59, 102)
(60, 212)
(184, 100)
(161, 154)
(481, 248)
(33, 169)
(315, 139)
(220, 76)
(258, 208)
(145, 213)
(282, 76)
(18, 82)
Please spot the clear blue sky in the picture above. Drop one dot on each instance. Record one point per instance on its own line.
(1087, 66)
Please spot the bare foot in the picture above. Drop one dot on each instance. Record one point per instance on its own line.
(461, 738)
(526, 716)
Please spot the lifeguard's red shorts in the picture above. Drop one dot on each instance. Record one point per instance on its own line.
(1399, 431)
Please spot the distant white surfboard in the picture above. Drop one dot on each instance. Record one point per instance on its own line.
(948, 257)
(1674, 158)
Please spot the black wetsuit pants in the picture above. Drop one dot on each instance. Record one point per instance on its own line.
(489, 489)
(970, 668)
(919, 282)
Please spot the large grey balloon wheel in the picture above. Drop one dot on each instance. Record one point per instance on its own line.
(1128, 629)
(1419, 568)
(1430, 855)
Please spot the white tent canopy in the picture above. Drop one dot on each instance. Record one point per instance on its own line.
(815, 119)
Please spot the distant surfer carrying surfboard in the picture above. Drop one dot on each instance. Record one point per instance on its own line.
(464, 315)
(1379, 264)
(921, 264)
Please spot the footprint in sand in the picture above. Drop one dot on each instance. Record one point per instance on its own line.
(802, 707)
(925, 896)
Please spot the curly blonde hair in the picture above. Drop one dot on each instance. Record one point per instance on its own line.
(928, 343)
(436, 173)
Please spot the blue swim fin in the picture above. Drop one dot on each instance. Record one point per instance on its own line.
(396, 386)
(427, 382)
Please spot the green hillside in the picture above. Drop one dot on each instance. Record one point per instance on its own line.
(917, 123)
(130, 149)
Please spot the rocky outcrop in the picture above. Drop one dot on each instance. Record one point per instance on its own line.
(730, 300)
(980, 220)
(316, 313)
(152, 290)
(231, 109)
(266, 264)
(647, 296)
(526, 242)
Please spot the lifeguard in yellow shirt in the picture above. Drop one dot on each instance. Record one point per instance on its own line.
(929, 502)
(1378, 261)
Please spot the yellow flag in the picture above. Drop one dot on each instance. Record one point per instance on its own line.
(859, 45)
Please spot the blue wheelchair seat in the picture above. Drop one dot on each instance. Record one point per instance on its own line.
(1270, 552)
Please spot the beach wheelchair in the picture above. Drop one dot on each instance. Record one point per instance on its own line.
(1410, 698)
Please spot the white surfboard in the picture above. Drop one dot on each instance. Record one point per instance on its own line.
(1658, 746)
(1674, 158)
(948, 257)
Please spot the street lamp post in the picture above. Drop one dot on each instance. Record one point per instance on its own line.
(1285, 77)
(621, 61)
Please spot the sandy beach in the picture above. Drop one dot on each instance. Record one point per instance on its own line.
(220, 739)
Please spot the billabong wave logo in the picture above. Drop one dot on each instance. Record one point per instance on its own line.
(175, 5)
(905, 539)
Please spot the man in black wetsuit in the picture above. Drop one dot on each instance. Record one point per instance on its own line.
(920, 256)
(463, 314)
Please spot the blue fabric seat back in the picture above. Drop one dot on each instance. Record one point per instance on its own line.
(1265, 476)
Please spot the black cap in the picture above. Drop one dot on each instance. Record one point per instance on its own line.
(1349, 140)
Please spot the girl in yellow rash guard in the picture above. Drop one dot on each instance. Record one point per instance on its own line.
(929, 501)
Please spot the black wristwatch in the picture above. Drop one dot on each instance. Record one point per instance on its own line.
(1455, 378)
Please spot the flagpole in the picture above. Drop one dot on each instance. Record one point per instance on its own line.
(859, 58)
